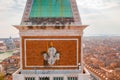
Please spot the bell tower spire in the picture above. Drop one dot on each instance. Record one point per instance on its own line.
(52, 12)
(47, 22)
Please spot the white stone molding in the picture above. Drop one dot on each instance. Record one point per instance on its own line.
(65, 75)
(21, 52)
(76, 39)
(51, 33)
(27, 10)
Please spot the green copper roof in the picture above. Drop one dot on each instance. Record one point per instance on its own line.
(51, 8)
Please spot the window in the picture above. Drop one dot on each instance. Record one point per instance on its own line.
(72, 78)
(58, 78)
(44, 78)
(30, 78)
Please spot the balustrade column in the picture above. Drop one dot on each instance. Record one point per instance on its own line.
(37, 78)
(65, 77)
(51, 77)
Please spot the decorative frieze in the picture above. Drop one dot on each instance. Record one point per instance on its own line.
(50, 71)
(51, 33)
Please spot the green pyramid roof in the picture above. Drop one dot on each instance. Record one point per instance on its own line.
(51, 9)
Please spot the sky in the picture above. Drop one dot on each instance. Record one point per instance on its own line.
(102, 16)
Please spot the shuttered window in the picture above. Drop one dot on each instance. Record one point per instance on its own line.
(72, 78)
(30, 78)
(58, 78)
(44, 78)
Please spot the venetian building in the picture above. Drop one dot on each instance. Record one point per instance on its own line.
(10, 44)
(51, 42)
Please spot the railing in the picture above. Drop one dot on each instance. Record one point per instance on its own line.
(21, 75)
(49, 24)
(50, 71)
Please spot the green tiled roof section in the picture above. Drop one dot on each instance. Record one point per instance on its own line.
(51, 8)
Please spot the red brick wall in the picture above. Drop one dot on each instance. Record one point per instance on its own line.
(66, 48)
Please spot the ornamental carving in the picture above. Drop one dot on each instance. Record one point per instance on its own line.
(51, 55)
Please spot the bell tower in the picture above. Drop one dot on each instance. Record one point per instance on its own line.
(51, 40)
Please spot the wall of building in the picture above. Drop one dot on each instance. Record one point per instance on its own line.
(79, 76)
(33, 48)
(1, 68)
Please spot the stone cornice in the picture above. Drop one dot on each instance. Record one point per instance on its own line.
(51, 33)
(72, 31)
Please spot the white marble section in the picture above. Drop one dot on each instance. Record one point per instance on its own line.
(64, 74)
(51, 33)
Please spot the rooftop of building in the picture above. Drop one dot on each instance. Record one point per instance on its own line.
(51, 9)
(50, 12)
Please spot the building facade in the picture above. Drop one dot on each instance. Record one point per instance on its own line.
(51, 42)
(10, 44)
(3, 47)
(1, 68)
